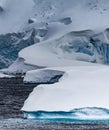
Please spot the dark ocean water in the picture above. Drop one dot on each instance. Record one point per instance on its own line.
(13, 93)
(21, 124)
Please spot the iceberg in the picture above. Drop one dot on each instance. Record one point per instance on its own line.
(80, 87)
(41, 76)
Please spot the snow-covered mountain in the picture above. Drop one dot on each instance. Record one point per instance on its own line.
(49, 19)
(65, 34)
(85, 14)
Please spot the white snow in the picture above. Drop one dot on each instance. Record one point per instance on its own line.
(15, 15)
(79, 87)
(60, 51)
(85, 14)
(4, 75)
(19, 67)
(45, 74)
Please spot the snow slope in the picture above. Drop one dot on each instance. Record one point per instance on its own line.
(15, 14)
(62, 51)
(53, 19)
(85, 14)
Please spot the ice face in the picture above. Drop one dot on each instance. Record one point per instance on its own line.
(80, 45)
(93, 113)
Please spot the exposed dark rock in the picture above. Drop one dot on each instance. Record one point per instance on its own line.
(1, 9)
(42, 32)
(66, 20)
(30, 21)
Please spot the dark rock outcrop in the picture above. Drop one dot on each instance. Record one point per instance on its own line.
(66, 20)
(1, 9)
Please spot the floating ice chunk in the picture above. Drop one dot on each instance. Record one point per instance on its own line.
(43, 76)
(81, 87)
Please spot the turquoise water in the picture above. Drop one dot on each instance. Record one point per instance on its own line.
(87, 114)
(80, 115)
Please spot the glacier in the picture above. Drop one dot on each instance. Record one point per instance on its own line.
(52, 20)
(76, 46)
(80, 45)
(59, 39)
